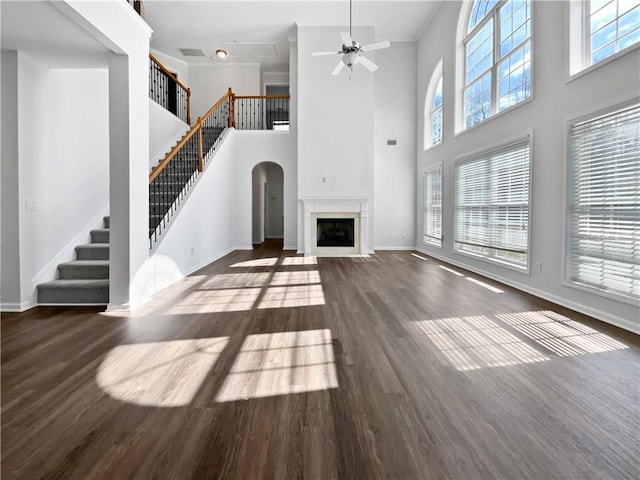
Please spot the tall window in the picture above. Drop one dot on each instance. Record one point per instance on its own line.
(603, 241)
(433, 206)
(613, 26)
(497, 58)
(436, 115)
(492, 204)
(433, 109)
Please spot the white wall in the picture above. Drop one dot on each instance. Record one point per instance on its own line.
(174, 65)
(394, 166)
(9, 230)
(64, 164)
(165, 130)
(210, 82)
(554, 101)
(335, 116)
(252, 148)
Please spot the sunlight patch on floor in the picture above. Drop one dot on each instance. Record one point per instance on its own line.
(304, 277)
(281, 363)
(471, 343)
(420, 257)
(296, 296)
(287, 261)
(237, 280)
(561, 335)
(217, 301)
(450, 270)
(258, 262)
(159, 374)
(491, 288)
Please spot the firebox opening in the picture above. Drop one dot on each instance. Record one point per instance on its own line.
(335, 232)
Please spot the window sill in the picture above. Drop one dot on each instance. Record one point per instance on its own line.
(430, 244)
(431, 147)
(495, 115)
(587, 70)
(494, 261)
(618, 297)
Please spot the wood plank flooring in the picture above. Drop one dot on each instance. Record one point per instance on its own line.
(270, 365)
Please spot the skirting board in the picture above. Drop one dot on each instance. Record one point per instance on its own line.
(17, 307)
(395, 248)
(592, 312)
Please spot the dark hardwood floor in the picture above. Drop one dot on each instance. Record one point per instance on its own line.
(270, 365)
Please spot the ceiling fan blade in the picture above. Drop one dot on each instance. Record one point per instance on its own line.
(346, 38)
(376, 46)
(368, 64)
(318, 54)
(338, 68)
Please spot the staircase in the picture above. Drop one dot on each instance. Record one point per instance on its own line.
(84, 281)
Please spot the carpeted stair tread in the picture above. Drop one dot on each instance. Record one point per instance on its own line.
(106, 221)
(75, 291)
(93, 251)
(84, 269)
(100, 235)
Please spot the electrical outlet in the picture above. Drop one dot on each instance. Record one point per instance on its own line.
(31, 205)
(538, 267)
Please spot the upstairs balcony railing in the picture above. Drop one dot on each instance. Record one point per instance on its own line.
(166, 90)
(171, 180)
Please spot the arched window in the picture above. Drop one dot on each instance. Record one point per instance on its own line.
(497, 57)
(433, 109)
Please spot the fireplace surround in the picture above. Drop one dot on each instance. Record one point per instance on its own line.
(337, 214)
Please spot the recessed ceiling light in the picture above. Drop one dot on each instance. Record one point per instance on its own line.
(221, 53)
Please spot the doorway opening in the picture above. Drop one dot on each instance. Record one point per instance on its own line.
(267, 202)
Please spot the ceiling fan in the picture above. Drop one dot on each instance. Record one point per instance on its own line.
(352, 52)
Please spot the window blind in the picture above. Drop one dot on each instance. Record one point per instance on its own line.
(603, 241)
(492, 203)
(433, 206)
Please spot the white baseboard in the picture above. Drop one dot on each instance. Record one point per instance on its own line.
(250, 247)
(396, 248)
(17, 307)
(290, 247)
(209, 261)
(592, 312)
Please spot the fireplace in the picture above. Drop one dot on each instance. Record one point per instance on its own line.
(335, 232)
(335, 227)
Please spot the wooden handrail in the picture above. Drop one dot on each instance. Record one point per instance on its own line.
(174, 151)
(168, 73)
(275, 97)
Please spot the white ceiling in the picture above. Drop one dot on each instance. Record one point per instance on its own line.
(208, 25)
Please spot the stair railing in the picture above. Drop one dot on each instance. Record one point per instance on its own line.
(260, 112)
(171, 180)
(166, 90)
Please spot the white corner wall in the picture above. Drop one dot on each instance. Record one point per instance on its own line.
(174, 65)
(210, 82)
(64, 165)
(555, 101)
(394, 165)
(9, 228)
(165, 130)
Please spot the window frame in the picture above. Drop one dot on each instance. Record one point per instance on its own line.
(464, 36)
(615, 105)
(425, 207)
(578, 43)
(527, 136)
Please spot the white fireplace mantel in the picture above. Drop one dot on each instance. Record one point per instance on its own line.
(357, 208)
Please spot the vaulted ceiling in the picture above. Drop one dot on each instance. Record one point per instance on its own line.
(260, 31)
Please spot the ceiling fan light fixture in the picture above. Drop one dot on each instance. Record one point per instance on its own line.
(350, 59)
(220, 53)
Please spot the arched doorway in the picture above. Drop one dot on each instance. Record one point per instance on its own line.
(267, 202)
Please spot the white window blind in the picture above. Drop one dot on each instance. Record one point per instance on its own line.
(433, 206)
(603, 241)
(492, 204)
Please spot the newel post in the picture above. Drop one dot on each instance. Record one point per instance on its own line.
(200, 156)
(232, 109)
